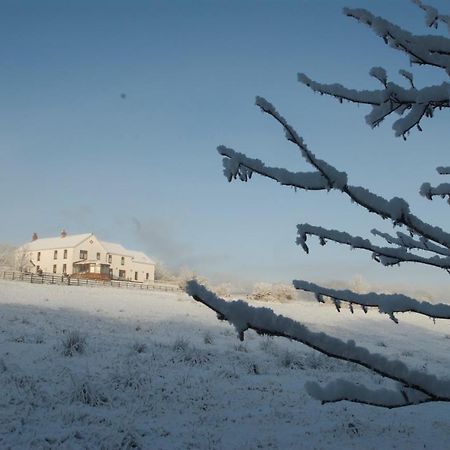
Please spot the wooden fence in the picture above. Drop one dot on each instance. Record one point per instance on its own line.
(72, 281)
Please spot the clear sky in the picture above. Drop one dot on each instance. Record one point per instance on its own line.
(111, 111)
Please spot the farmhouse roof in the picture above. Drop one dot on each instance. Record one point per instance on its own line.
(68, 241)
(117, 249)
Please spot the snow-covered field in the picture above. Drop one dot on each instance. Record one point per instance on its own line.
(158, 371)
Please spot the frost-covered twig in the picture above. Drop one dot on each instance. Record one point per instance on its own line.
(432, 15)
(238, 165)
(403, 240)
(441, 190)
(387, 256)
(396, 209)
(425, 50)
(265, 322)
(386, 303)
(411, 103)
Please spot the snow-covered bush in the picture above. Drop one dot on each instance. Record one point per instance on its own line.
(7, 257)
(418, 241)
(268, 292)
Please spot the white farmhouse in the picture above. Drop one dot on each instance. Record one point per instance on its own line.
(84, 256)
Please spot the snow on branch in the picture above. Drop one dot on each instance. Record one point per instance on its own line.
(403, 240)
(265, 322)
(388, 256)
(413, 103)
(238, 165)
(432, 16)
(443, 170)
(386, 303)
(339, 390)
(442, 190)
(429, 50)
(396, 209)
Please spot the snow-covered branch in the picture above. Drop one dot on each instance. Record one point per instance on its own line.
(386, 303)
(413, 103)
(403, 240)
(238, 165)
(339, 390)
(428, 50)
(432, 15)
(441, 190)
(388, 256)
(265, 322)
(396, 209)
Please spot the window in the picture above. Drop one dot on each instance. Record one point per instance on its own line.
(135, 276)
(38, 256)
(83, 254)
(38, 269)
(64, 268)
(122, 260)
(65, 254)
(54, 268)
(55, 254)
(98, 256)
(146, 276)
(122, 274)
(110, 259)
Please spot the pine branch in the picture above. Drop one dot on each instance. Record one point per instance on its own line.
(386, 303)
(265, 322)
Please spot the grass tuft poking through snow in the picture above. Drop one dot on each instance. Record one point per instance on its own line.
(73, 343)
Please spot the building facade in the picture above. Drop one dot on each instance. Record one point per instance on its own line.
(84, 256)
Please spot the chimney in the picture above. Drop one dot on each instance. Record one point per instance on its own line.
(34, 237)
(63, 234)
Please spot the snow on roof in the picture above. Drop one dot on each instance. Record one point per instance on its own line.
(113, 248)
(117, 249)
(56, 242)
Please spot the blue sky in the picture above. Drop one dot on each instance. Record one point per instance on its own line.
(110, 113)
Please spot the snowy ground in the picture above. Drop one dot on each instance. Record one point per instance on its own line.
(158, 371)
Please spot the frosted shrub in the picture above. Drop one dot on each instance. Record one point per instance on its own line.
(139, 347)
(88, 394)
(208, 338)
(268, 292)
(74, 343)
(181, 344)
(288, 359)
